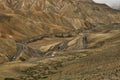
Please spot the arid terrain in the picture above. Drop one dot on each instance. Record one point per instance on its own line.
(59, 40)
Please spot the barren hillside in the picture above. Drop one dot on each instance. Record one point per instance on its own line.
(66, 31)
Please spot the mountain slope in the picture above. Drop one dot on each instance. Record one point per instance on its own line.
(68, 31)
(47, 16)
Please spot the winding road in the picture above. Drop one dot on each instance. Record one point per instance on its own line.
(20, 47)
(21, 44)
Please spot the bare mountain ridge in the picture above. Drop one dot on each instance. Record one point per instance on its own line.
(49, 16)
